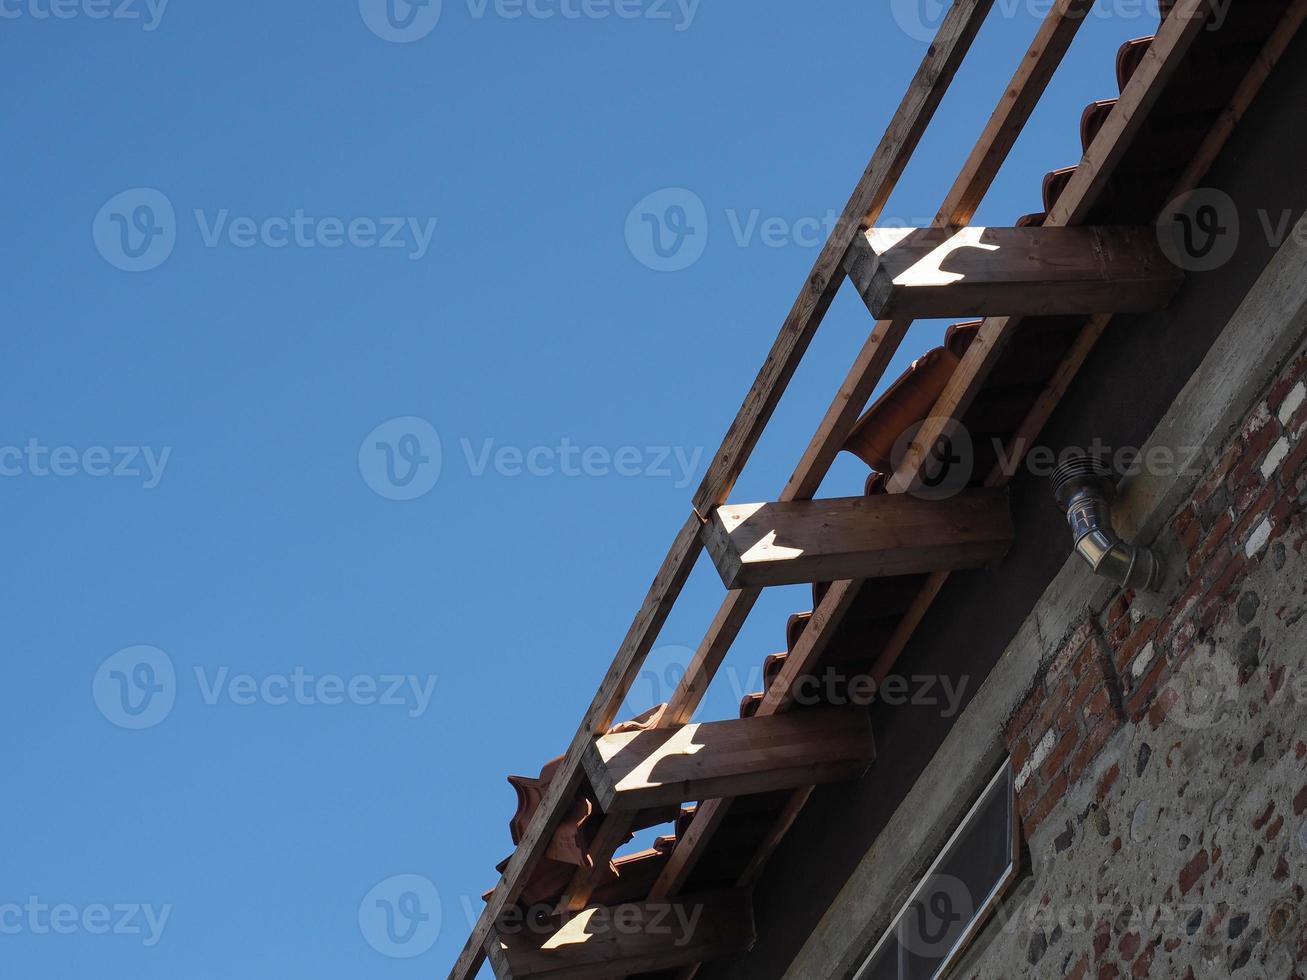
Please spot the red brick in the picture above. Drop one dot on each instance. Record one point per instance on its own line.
(1294, 462)
(1273, 831)
(1261, 440)
(1126, 654)
(1147, 688)
(1052, 796)
(1066, 744)
(1161, 707)
(1265, 818)
(1109, 778)
(1219, 474)
(1102, 733)
(1195, 869)
(1212, 542)
(1121, 604)
(1024, 714)
(1144, 964)
(1254, 515)
(1187, 528)
(1129, 945)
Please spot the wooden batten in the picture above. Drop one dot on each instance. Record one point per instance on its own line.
(756, 545)
(639, 770)
(627, 939)
(943, 272)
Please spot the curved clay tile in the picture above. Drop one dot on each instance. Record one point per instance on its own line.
(771, 669)
(905, 403)
(1054, 184)
(1091, 121)
(749, 704)
(794, 626)
(1129, 57)
(908, 400)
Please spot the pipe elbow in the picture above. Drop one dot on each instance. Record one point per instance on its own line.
(1084, 488)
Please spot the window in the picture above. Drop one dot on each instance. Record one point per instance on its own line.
(957, 894)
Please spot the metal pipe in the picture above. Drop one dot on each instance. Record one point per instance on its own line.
(1084, 489)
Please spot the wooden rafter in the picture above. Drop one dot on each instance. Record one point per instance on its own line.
(640, 770)
(952, 42)
(965, 272)
(956, 33)
(1009, 118)
(798, 541)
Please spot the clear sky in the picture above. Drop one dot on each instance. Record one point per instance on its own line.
(269, 652)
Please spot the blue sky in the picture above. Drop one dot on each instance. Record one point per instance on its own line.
(349, 408)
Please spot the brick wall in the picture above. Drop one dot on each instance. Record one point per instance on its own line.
(1161, 758)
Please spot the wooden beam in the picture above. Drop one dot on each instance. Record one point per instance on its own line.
(598, 719)
(788, 543)
(741, 757)
(1164, 55)
(802, 660)
(952, 42)
(1000, 133)
(1166, 52)
(636, 938)
(938, 272)
(1018, 101)
(1007, 122)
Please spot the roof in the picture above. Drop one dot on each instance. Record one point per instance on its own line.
(1176, 138)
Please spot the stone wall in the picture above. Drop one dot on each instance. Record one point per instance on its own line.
(1161, 756)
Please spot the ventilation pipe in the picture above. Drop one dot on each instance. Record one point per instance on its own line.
(1084, 488)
